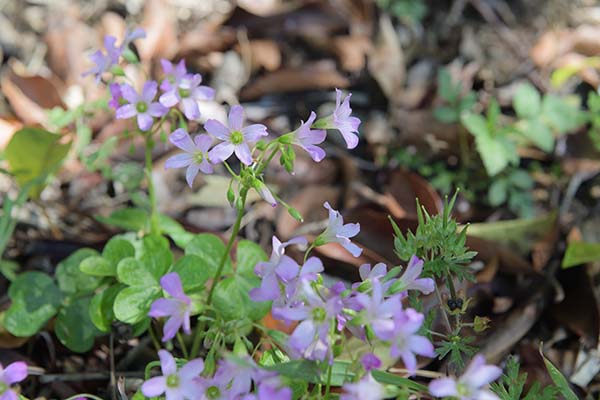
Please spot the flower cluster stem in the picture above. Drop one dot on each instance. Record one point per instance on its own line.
(154, 227)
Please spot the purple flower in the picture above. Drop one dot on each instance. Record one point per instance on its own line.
(337, 232)
(472, 385)
(264, 192)
(410, 278)
(307, 138)
(367, 274)
(276, 270)
(346, 124)
(311, 338)
(177, 308)
(406, 343)
(173, 74)
(141, 106)
(116, 96)
(366, 388)
(186, 93)
(104, 60)
(286, 304)
(194, 157)
(176, 385)
(370, 361)
(131, 35)
(13, 373)
(236, 138)
(377, 312)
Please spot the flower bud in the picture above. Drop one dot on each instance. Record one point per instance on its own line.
(295, 214)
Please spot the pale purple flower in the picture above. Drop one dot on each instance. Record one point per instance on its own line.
(186, 94)
(194, 157)
(104, 60)
(406, 343)
(276, 270)
(291, 297)
(173, 74)
(343, 121)
(116, 96)
(472, 385)
(366, 388)
(337, 232)
(308, 138)
(176, 385)
(142, 106)
(13, 373)
(311, 338)
(368, 274)
(236, 138)
(131, 35)
(267, 391)
(263, 190)
(177, 308)
(410, 278)
(370, 361)
(376, 311)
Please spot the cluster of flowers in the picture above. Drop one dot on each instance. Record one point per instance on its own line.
(371, 310)
(233, 379)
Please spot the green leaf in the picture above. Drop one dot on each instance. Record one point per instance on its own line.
(210, 249)
(562, 115)
(390, 379)
(175, 231)
(98, 266)
(35, 299)
(193, 276)
(581, 253)
(71, 279)
(133, 303)
(475, 124)
(535, 130)
(74, 328)
(133, 273)
(496, 153)
(445, 114)
(527, 101)
(101, 307)
(559, 380)
(446, 88)
(34, 152)
(131, 219)
(497, 192)
(116, 250)
(303, 370)
(232, 302)
(156, 256)
(248, 254)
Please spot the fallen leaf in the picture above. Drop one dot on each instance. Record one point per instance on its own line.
(30, 96)
(309, 76)
(160, 25)
(386, 60)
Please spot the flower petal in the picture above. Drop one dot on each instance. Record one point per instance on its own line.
(203, 142)
(154, 387)
(169, 99)
(190, 109)
(181, 139)
(144, 121)
(220, 152)
(15, 372)
(242, 152)
(129, 93)
(217, 129)
(191, 173)
(443, 387)
(171, 283)
(254, 132)
(192, 369)
(126, 111)
(179, 160)
(171, 327)
(167, 362)
(149, 91)
(164, 308)
(236, 118)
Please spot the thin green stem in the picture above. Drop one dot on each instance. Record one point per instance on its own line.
(182, 345)
(328, 386)
(264, 164)
(236, 176)
(312, 246)
(154, 227)
(155, 341)
(234, 232)
(198, 336)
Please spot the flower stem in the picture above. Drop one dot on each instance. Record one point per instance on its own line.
(328, 386)
(198, 334)
(154, 227)
(182, 345)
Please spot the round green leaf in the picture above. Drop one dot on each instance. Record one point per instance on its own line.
(117, 249)
(190, 270)
(74, 328)
(248, 254)
(210, 249)
(98, 266)
(35, 299)
(71, 279)
(101, 307)
(133, 273)
(133, 303)
(156, 255)
(527, 101)
(232, 302)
